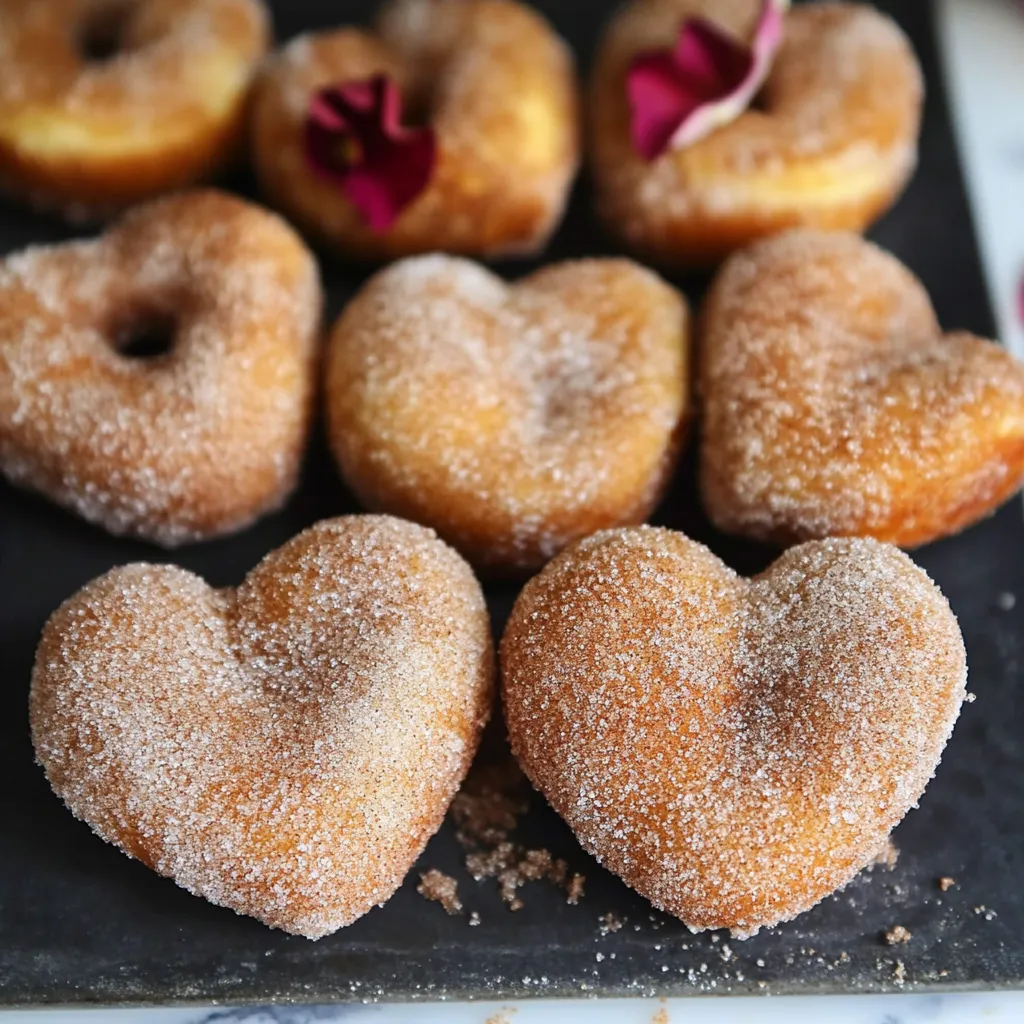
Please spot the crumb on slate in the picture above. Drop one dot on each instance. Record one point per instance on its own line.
(442, 888)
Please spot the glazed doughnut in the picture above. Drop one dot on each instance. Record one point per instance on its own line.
(285, 749)
(830, 143)
(166, 109)
(498, 89)
(734, 750)
(833, 404)
(186, 445)
(512, 419)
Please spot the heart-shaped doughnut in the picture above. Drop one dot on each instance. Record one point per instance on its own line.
(489, 79)
(285, 749)
(512, 419)
(188, 443)
(735, 750)
(834, 405)
(830, 142)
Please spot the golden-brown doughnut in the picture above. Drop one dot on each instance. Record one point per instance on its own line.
(734, 750)
(512, 419)
(830, 143)
(285, 749)
(497, 87)
(166, 109)
(181, 446)
(834, 405)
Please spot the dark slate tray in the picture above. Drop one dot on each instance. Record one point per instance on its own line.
(81, 923)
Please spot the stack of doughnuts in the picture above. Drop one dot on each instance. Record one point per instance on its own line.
(734, 749)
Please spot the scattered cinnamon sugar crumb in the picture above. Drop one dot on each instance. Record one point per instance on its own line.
(897, 935)
(986, 912)
(887, 857)
(442, 888)
(661, 1017)
(945, 883)
(574, 889)
(899, 973)
(486, 812)
(609, 923)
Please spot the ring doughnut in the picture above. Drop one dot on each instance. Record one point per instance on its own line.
(830, 143)
(180, 446)
(162, 107)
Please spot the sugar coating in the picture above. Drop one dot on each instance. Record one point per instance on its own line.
(170, 95)
(833, 404)
(832, 139)
(496, 85)
(511, 419)
(285, 749)
(735, 750)
(192, 444)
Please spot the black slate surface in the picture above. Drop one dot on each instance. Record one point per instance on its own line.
(81, 923)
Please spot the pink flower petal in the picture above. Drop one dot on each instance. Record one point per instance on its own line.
(678, 96)
(355, 139)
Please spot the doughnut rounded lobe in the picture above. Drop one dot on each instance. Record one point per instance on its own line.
(735, 750)
(834, 405)
(497, 86)
(285, 749)
(513, 419)
(178, 447)
(830, 142)
(167, 110)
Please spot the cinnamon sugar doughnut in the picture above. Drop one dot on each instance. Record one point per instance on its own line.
(165, 109)
(833, 404)
(494, 83)
(830, 143)
(512, 419)
(285, 749)
(182, 446)
(734, 750)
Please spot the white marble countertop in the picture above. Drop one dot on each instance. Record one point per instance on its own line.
(968, 1008)
(983, 47)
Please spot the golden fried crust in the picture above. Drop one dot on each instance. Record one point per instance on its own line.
(285, 749)
(734, 750)
(179, 447)
(513, 420)
(498, 87)
(834, 405)
(90, 138)
(830, 144)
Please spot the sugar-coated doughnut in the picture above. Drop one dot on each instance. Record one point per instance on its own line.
(185, 445)
(830, 142)
(734, 750)
(512, 419)
(285, 749)
(495, 84)
(833, 404)
(165, 109)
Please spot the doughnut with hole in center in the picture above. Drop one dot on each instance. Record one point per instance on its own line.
(105, 103)
(175, 447)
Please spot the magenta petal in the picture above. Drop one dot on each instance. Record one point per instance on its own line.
(659, 103)
(354, 138)
(677, 97)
